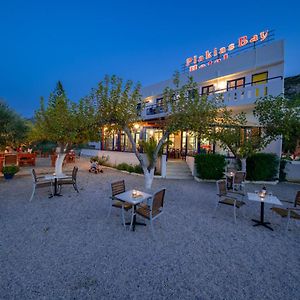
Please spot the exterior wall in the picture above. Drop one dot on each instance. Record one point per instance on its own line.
(190, 160)
(115, 157)
(292, 170)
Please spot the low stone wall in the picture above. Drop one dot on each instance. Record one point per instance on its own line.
(292, 170)
(118, 157)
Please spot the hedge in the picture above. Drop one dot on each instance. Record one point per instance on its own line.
(210, 166)
(262, 166)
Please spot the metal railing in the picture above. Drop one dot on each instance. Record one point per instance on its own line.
(155, 109)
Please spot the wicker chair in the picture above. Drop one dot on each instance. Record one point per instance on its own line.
(70, 180)
(118, 187)
(238, 183)
(40, 182)
(289, 212)
(228, 198)
(152, 209)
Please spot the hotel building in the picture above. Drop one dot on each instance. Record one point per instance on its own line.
(239, 72)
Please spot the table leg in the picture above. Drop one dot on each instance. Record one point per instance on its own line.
(261, 222)
(134, 222)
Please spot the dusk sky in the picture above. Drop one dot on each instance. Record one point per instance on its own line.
(78, 42)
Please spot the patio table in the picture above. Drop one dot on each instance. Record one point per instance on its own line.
(270, 199)
(55, 178)
(133, 197)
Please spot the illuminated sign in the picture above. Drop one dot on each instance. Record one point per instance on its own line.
(211, 57)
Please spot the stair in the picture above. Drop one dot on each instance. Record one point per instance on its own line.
(178, 169)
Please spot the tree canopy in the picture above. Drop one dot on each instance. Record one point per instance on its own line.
(13, 128)
(63, 121)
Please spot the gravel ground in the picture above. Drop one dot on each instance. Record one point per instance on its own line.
(65, 248)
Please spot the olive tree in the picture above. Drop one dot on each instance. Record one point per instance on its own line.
(64, 122)
(13, 128)
(120, 104)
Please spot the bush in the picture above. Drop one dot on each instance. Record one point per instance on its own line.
(138, 169)
(282, 174)
(262, 166)
(130, 168)
(210, 166)
(12, 170)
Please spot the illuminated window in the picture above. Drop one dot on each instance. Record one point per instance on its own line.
(206, 90)
(236, 83)
(260, 78)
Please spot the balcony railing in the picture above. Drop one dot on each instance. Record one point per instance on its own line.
(241, 95)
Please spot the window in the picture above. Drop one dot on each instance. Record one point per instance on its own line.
(235, 83)
(206, 90)
(260, 78)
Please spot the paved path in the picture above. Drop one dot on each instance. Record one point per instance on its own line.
(65, 248)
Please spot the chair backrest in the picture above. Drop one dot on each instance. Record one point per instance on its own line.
(34, 175)
(117, 187)
(74, 173)
(158, 200)
(239, 177)
(10, 159)
(297, 199)
(221, 187)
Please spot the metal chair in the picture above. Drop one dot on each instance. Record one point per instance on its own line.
(40, 182)
(238, 183)
(152, 209)
(118, 187)
(69, 180)
(228, 198)
(289, 212)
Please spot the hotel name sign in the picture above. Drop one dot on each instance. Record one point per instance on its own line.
(210, 57)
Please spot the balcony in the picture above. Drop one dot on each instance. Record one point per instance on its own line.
(242, 95)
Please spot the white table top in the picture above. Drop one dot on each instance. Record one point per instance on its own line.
(271, 199)
(128, 197)
(53, 176)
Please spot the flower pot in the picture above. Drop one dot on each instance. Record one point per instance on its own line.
(8, 176)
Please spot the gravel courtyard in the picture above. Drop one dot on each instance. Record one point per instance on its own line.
(66, 248)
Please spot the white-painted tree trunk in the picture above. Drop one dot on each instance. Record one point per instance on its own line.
(59, 162)
(149, 175)
(244, 164)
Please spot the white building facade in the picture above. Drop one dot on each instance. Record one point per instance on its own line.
(241, 72)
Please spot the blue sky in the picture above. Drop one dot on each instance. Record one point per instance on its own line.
(78, 42)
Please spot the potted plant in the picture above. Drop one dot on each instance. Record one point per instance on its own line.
(10, 171)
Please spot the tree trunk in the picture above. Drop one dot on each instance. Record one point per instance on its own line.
(60, 159)
(149, 175)
(244, 164)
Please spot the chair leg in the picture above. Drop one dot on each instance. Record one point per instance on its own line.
(132, 216)
(287, 222)
(123, 216)
(215, 209)
(234, 213)
(33, 191)
(109, 211)
(152, 229)
(75, 187)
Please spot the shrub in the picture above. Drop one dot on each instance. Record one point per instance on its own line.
(262, 166)
(122, 166)
(282, 174)
(130, 168)
(138, 169)
(210, 166)
(12, 170)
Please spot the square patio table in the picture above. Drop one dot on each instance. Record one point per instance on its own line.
(55, 179)
(133, 197)
(269, 199)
